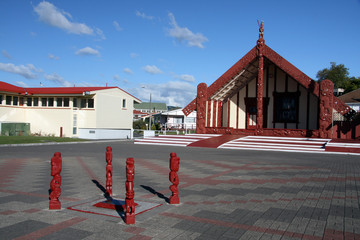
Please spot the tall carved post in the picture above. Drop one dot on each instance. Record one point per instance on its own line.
(55, 184)
(201, 108)
(220, 114)
(260, 80)
(129, 201)
(174, 179)
(326, 108)
(109, 171)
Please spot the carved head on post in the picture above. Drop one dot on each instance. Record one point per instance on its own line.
(56, 163)
(261, 29)
(130, 169)
(108, 155)
(174, 162)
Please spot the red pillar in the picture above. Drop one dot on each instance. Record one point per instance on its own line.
(55, 184)
(208, 117)
(174, 179)
(219, 114)
(326, 108)
(129, 201)
(201, 108)
(109, 171)
(228, 113)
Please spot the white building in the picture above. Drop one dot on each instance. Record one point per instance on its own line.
(83, 112)
(176, 119)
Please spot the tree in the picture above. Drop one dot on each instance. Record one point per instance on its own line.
(338, 74)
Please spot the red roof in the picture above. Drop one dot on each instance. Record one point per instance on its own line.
(6, 87)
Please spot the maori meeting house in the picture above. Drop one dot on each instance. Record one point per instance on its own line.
(264, 94)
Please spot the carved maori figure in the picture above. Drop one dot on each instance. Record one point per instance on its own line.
(174, 178)
(109, 171)
(55, 184)
(326, 108)
(129, 201)
(201, 108)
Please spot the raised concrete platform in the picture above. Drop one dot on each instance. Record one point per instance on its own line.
(266, 143)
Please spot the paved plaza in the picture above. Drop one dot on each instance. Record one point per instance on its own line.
(224, 193)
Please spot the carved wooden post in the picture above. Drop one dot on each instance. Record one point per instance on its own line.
(129, 201)
(55, 184)
(174, 179)
(260, 80)
(201, 108)
(109, 171)
(326, 108)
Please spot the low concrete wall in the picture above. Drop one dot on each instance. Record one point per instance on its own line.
(101, 133)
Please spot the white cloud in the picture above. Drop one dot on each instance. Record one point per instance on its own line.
(186, 77)
(52, 56)
(175, 93)
(21, 84)
(128, 71)
(152, 69)
(184, 34)
(27, 71)
(6, 54)
(100, 33)
(134, 55)
(117, 26)
(143, 15)
(116, 77)
(87, 51)
(57, 79)
(51, 15)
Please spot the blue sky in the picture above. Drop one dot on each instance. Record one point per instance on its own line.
(165, 47)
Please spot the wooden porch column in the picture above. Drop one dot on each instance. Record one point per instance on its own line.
(219, 114)
(214, 113)
(201, 108)
(326, 108)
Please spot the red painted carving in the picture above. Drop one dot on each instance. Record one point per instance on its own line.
(109, 171)
(341, 107)
(190, 107)
(129, 201)
(201, 108)
(174, 179)
(219, 114)
(326, 108)
(55, 184)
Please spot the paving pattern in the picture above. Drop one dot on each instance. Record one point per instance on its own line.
(223, 196)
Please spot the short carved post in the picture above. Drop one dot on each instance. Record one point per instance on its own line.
(109, 171)
(129, 201)
(55, 184)
(326, 108)
(201, 108)
(174, 179)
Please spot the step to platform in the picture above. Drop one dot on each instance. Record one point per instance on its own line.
(174, 140)
(286, 144)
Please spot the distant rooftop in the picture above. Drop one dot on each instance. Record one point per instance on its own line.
(146, 105)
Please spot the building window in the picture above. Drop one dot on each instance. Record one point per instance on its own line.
(21, 101)
(75, 102)
(50, 102)
(43, 102)
(83, 103)
(59, 102)
(15, 101)
(36, 102)
(8, 100)
(66, 102)
(90, 103)
(1, 98)
(29, 102)
(124, 103)
(286, 107)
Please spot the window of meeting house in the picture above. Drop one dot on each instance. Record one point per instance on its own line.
(124, 103)
(50, 102)
(1, 99)
(83, 103)
(59, 102)
(75, 102)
